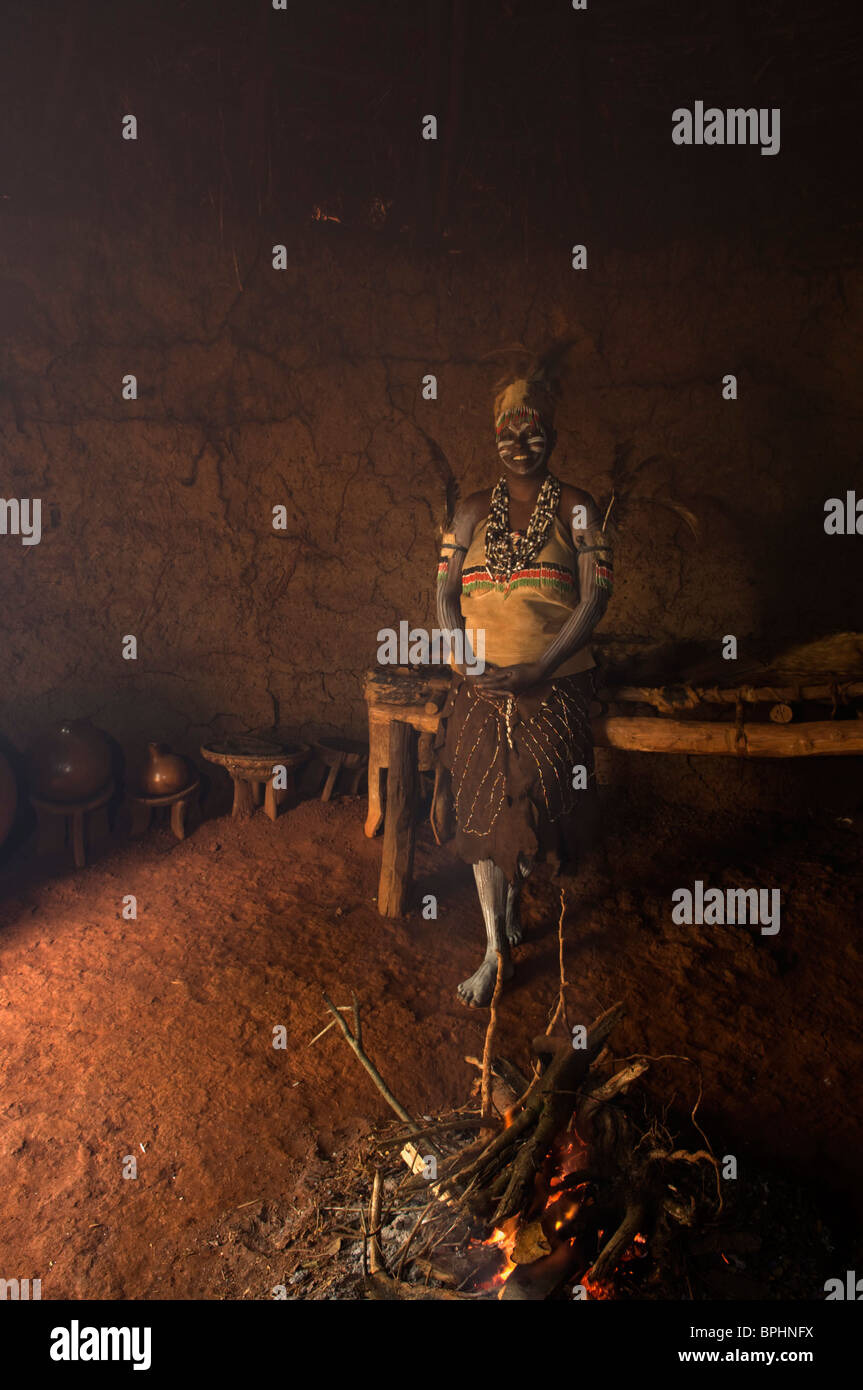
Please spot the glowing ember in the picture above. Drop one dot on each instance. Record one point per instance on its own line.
(637, 1250)
(597, 1288)
(572, 1157)
(545, 1234)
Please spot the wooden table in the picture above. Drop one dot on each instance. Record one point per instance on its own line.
(413, 695)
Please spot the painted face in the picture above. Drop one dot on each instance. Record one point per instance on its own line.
(522, 446)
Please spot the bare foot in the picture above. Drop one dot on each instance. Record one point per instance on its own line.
(477, 991)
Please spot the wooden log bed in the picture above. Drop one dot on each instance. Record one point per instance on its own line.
(414, 696)
(651, 734)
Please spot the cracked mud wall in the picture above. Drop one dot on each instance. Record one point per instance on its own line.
(303, 388)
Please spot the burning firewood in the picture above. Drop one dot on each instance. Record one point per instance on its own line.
(572, 1187)
(555, 1224)
(543, 1116)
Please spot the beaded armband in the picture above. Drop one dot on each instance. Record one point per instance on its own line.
(604, 561)
(449, 546)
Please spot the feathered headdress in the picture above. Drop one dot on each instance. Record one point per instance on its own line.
(531, 390)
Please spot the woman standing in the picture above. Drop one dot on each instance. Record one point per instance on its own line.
(527, 562)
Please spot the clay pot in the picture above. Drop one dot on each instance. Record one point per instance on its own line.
(71, 763)
(8, 797)
(164, 772)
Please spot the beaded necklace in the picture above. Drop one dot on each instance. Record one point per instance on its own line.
(505, 552)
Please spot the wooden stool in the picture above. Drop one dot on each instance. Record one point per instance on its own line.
(250, 762)
(142, 808)
(341, 753)
(408, 694)
(74, 815)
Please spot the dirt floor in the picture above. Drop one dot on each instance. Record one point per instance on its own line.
(154, 1037)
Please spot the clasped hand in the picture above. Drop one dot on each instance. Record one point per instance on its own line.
(510, 680)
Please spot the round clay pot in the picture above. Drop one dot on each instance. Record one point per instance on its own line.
(71, 763)
(164, 772)
(8, 797)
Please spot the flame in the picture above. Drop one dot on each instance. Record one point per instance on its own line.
(561, 1206)
(503, 1238)
(567, 1205)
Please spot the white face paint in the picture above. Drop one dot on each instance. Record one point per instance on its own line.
(522, 447)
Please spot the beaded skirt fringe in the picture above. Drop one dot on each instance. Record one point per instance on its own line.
(522, 772)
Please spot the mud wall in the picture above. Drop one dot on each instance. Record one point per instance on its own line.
(303, 388)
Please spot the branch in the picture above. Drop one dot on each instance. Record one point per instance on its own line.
(355, 1045)
(486, 1106)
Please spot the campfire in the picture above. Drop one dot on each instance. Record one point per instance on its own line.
(561, 1186)
(566, 1184)
(576, 1192)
